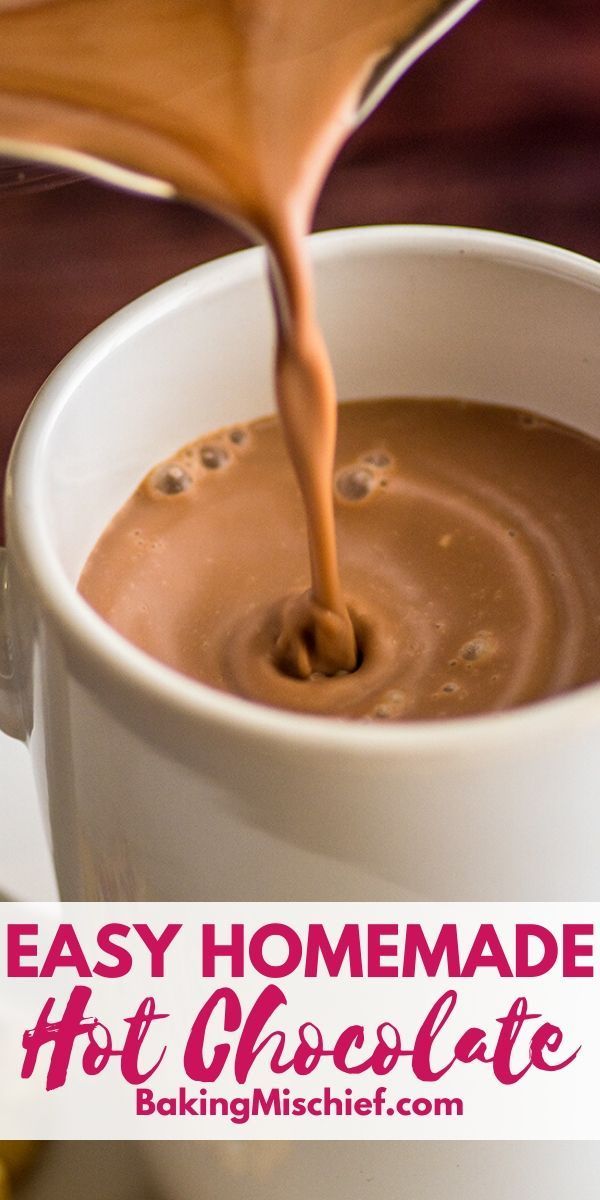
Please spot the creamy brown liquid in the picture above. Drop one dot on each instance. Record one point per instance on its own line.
(240, 104)
(469, 539)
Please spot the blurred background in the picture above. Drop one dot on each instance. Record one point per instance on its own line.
(498, 127)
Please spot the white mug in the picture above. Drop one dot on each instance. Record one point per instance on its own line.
(157, 787)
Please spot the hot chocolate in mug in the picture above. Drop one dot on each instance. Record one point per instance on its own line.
(156, 787)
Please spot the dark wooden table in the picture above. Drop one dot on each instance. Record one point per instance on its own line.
(498, 127)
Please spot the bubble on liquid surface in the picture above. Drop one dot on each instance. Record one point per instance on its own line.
(171, 479)
(377, 458)
(214, 457)
(238, 436)
(478, 648)
(355, 483)
(529, 421)
(391, 706)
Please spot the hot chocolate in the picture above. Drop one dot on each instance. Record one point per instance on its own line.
(470, 561)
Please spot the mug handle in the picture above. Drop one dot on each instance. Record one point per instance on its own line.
(11, 720)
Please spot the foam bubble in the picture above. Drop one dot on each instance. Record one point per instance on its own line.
(355, 483)
(478, 648)
(529, 421)
(391, 706)
(214, 457)
(171, 479)
(238, 436)
(377, 458)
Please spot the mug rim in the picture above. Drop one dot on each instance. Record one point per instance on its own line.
(85, 630)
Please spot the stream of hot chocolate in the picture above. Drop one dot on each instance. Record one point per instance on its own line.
(241, 105)
(316, 632)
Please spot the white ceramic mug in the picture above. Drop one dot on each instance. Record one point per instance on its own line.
(157, 787)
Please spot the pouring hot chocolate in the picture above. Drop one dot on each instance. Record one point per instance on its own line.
(241, 105)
